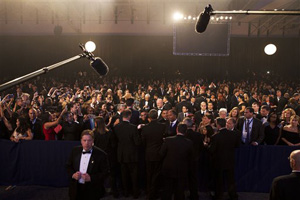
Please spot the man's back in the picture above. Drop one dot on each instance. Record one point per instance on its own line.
(177, 151)
(286, 187)
(128, 141)
(152, 138)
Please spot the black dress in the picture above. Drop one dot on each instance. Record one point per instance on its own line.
(271, 134)
(291, 136)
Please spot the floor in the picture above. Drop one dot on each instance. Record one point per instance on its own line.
(52, 193)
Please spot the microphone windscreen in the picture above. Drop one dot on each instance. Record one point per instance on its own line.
(202, 22)
(99, 66)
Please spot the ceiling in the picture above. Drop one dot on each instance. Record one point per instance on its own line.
(153, 17)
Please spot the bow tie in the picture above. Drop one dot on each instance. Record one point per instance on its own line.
(84, 152)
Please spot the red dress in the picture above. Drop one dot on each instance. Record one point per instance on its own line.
(49, 133)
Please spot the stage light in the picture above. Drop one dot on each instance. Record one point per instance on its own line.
(189, 17)
(90, 46)
(268, 72)
(177, 16)
(270, 49)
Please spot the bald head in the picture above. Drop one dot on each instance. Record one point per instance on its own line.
(295, 160)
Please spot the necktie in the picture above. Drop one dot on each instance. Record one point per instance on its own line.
(247, 128)
(84, 152)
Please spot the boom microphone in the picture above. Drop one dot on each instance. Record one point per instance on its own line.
(203, 19)
(99, 66)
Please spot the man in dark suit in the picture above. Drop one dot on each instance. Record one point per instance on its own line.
(199, 114)
(167, 104)
(251, 128)
(253, 99)
(128, 142)
(177, 153)
(35, 125)
(280, 102)
(185, 113)
(234, 99)
(152, 138)
(287, 187)
(185, 103)
(135, 115)
(198, 146)
(163, 118)
(87, 168)
(172, 123)
(222, 149)
(146, 104)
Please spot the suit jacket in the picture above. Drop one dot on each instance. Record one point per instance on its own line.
(152, 138)
(233, 101)
(197, 139)
(128, 141)
(198, 117)
(181, 116)
(142, 104)
(286, 187)
(185, 103)
(135, 116)
(280, 104)
(167, 106)
(257, 132)
(37, 129)
(98, 168)
(222, 148)
(171, 130)
(177, 153)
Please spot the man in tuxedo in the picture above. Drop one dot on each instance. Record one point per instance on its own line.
(222, 149)
(160, 105)
(87, 169)
(167, 104)
(253, 99)
(35, 125)
(198, 146)
(256, 113)
(195, 105)
(251, 128)
(211, 109)
(264, 111)
(128, 142)
(146, 104)
(163, 118)
(152, 139)
(280, 102)
(287, 187)
(117, 118)
(177, 153)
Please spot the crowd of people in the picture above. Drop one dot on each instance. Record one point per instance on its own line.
(127, 114)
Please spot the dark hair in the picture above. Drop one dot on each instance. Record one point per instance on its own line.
(250, 109)
(153, 114)
(101, 127)
(181, 128)
(221, 122)
(126, 113)
(87, 132)
(267, 108)
(24, 126)
(188, 121)
(173, 111)
(129, 101)
(277, 118)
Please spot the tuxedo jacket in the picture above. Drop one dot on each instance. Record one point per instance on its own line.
(257, 132)
(280, 104)
(198, 117)
(181, 116)
(286, 187)
(167, 106)
(98, 169)
(37, 129)
(142, 104)
(171, 130)
(222, 148)
(135, 116)
(152, 138)
(177, 153)
(185, 103)
(128, 141)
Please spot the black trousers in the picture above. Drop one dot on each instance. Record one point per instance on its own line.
(129, 173)
(174, 186)
(228, 175)
(193, 181)
(153, 169)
